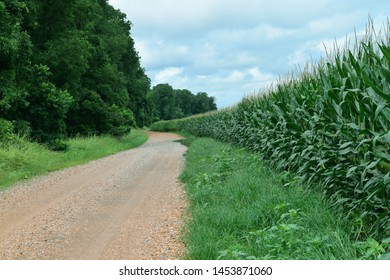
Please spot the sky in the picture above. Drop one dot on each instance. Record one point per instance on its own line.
(236, 48)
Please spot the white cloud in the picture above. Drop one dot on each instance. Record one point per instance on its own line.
(184, 17)
(304, 54)
(158, 53)
(272, 32)
(167, 74)
(234, 77)
(335, 24)
(258, 76)
(229, 48)
(230, 86)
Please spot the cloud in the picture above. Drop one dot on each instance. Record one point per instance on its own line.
(258, 76)
(339, 23)
(234, 77)
(167, 74)
(156, 53)
(189, 17)
(231, 48)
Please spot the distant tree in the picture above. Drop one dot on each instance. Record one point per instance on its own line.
(203, 103)
(164, 99)
(177, 103)
(185, 100)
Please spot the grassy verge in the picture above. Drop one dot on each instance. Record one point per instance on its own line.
(23, 160)
(240, 209)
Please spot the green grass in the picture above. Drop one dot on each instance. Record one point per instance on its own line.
(240, 209)
(22, 159)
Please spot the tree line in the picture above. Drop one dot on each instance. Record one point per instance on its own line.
(70, 68)
(178, 103)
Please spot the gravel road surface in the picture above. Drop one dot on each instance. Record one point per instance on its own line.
(126, 206)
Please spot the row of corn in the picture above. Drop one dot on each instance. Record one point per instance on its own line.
(328, 126)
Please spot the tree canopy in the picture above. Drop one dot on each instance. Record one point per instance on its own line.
(71, 67)
(178, 103)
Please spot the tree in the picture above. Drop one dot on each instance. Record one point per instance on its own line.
(203, 103)
(49, 106)
(15, 53)
(185, 101)
(88, 48)
(27, 97)
(177, 103)
(164, 99)
(70, 67)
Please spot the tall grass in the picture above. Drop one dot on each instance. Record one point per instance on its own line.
(20, 159)
(329, 126)
(240, 209)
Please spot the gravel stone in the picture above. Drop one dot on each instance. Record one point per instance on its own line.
(129, 205)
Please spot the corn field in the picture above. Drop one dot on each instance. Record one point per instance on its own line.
(328, 126)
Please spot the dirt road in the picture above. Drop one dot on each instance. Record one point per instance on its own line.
(126, 206)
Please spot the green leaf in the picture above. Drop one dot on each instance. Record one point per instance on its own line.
(385, 137)
(382, 155)
(373, 164)
(385, 256)
(351, 171)
(385, 51)
(386, 241)
(343, 146)
(379, 109)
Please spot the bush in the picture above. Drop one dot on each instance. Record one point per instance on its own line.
(6, 131)
(58, 145)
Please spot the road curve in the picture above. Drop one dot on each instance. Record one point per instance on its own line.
(125, 206)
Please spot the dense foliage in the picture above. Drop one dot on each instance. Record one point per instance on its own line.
(329, 126)
(70, 68)
(177, 103)
(23, 83)
(240, 209)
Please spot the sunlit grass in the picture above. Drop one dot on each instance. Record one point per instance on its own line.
(22, 159)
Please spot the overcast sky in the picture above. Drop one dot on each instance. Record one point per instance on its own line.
(232, 48)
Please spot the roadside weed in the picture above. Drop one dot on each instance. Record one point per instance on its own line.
(240, 209)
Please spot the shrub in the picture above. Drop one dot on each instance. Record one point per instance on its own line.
(6, 131)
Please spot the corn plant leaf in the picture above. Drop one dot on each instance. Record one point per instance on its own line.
(351, 171)
(343, 146)
(385, 51)
(385, 256)
(379, 109)
(347, 151)
(385, 138)
(382, 155)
